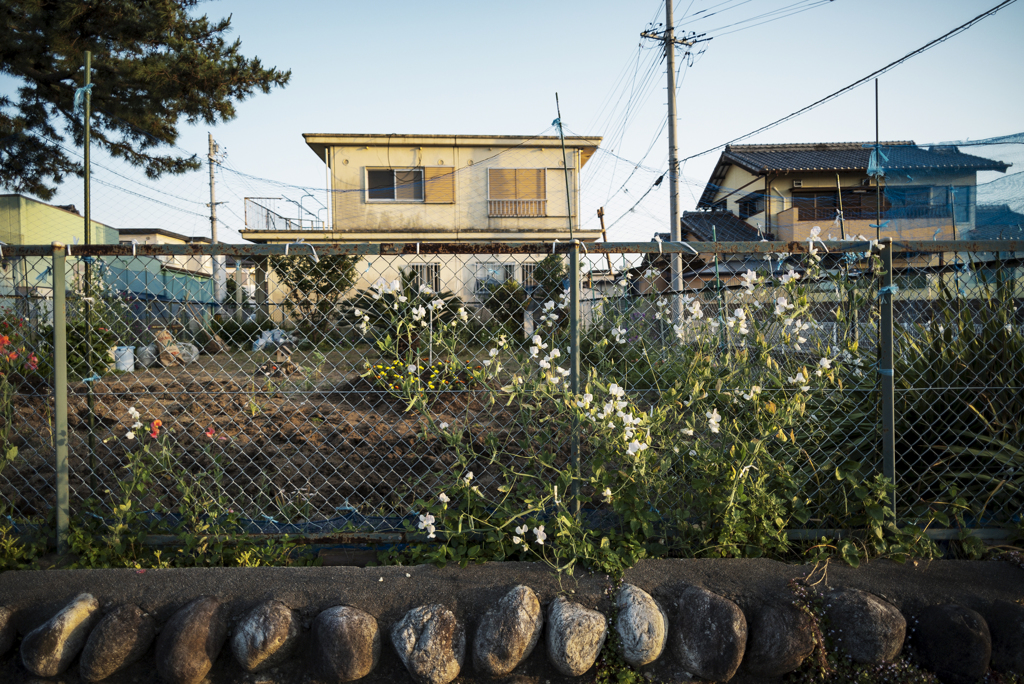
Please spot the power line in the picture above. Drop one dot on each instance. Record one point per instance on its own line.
(860, 82)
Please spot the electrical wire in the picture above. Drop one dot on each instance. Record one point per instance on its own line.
(859, 82)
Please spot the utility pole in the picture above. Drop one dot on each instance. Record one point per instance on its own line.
(220, 285)
(669, 41)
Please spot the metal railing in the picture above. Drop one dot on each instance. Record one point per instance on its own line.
(289, 414)
(513, 208)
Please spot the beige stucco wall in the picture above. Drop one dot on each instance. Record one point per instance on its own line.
(357, 219)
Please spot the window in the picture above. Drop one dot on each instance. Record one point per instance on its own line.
(930, 202)
(489, 275)
(529, 282)
(516, 193)
(426, 274)
(394, 185)
(820, 205)
(751, 204)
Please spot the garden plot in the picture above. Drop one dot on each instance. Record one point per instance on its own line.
(312, 447)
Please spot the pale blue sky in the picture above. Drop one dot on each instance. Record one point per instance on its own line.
(493, 68)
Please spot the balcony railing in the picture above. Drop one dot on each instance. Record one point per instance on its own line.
(517, 208)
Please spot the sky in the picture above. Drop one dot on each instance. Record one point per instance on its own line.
(454, 67)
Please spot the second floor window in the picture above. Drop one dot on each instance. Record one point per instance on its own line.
(516, 193)
(394, 185)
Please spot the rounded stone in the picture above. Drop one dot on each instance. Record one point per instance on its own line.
(575, 636)
(508, 633)
(1006, 627)
(872, 630)
(49, 649)
(346, 644)
(121, 638)
(191, 641)
(780, 637)
(265, 636)
(710, 636)
(953, 642)
(431, 643)
(641, 625)
(7, 631)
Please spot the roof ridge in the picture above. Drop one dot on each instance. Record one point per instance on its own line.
(818, 145)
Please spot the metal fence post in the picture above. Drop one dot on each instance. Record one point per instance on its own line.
(60, 394)
(886, 375)
(574, 365)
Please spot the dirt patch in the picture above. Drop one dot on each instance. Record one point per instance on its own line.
(302, 448)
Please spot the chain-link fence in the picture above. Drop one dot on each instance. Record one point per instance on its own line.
(299, 394)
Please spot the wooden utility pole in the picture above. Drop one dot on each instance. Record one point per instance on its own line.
(604, 237)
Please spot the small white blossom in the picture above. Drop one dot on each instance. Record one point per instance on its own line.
(443, 498)
(714, 419)
(443, 426)
(539, 531)
(426, 520)
(607, 494)
(616, 391)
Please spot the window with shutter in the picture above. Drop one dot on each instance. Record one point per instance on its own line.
(516, 193)
(394, 185)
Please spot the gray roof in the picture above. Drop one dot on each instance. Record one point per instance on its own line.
(852, 156)
(728, 227)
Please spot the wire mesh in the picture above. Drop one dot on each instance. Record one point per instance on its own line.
(291, 401)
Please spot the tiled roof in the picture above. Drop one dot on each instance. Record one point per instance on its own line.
(728, 226)
(853, 157)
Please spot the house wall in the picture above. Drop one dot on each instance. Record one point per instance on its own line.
(25, 221)
(356, 219)
(784, 216)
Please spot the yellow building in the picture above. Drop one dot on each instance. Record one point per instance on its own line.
(440, 188)
(786, 190)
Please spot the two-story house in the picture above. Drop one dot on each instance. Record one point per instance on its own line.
(786, 190)
(441, 188)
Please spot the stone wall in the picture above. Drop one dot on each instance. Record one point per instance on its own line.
(677, 620)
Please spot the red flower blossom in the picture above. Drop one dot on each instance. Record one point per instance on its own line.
(210, 431)
(32, 362)
(154, 428)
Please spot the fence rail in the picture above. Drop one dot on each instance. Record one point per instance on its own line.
(293, 409)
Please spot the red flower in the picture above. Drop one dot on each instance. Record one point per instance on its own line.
(154, 428)
(32, 362)
(13, 355)
(210, 432)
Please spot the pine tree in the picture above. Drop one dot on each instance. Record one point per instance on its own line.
(154, 65)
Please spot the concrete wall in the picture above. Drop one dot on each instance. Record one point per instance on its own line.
(25, 221)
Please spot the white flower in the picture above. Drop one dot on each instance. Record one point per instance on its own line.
(522, 530)
(517, 540)
(585, 402)
(443, 426)
(443, 498)
(539, 531)
(607, 494)
(714, 419)
(426, 520)
(533, 352)
(754, 391)
(411, 368)
(688, 432)
(135, 415)
(493, 353)
(692, 452)
(487, 362)
(425, 289)
(781, 305)
(403, 298)
(635, 447)
(616, 391)
(749, 278)
(129, 436)
(430, 533)
(554, 353)
(539, 344)
(469, 477)
(463, 316)
(825, 364)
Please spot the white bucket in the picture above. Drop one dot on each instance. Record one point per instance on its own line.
(124, 358)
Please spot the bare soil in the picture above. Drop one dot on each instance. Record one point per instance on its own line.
(309, 447)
